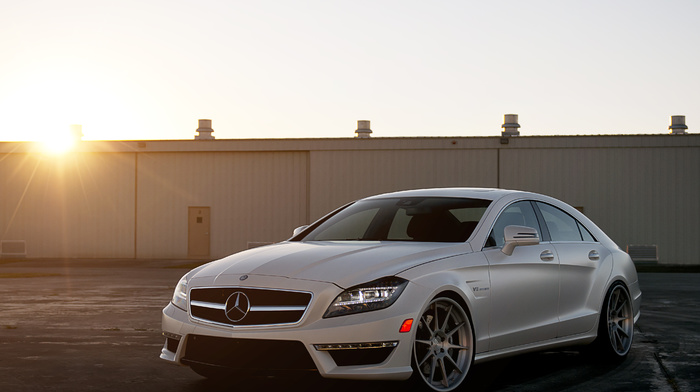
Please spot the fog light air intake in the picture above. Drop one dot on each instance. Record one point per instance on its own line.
(172, 341)
(358, 354)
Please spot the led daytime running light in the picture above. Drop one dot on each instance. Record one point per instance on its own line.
(355, 346)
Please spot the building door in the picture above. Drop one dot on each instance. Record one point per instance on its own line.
(198, 233)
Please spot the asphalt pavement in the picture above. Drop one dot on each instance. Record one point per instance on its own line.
(94, 325)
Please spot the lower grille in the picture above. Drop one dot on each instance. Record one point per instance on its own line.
(248, 354)
(372, 356)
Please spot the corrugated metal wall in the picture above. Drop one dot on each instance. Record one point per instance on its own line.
(80, 205)
(638, 196)
(338, 177)
(131, 199)
(253, 196)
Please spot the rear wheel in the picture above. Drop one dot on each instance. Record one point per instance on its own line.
(443, 348)
(616, 327)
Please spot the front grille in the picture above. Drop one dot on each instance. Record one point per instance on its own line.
(247, 354)
(237, 306)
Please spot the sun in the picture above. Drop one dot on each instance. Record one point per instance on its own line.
(58, 146)
(61, 142)
(44, 100)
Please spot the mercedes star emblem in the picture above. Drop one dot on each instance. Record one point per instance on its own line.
(237, 306)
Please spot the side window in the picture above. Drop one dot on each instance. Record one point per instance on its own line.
(587, 236)
(562, 226)
(518, 214)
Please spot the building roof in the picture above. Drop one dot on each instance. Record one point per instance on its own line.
(375, 143)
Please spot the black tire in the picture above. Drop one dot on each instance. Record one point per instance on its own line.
(616, 325)
(443, 347)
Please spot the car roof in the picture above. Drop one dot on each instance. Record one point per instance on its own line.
(472, 193)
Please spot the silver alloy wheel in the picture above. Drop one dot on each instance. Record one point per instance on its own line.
(620, 320)
(444, 345)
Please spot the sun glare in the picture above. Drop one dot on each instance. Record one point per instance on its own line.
(57, 143)
(47, 100)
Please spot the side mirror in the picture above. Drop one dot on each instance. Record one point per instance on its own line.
(519, 236)
(299, 230)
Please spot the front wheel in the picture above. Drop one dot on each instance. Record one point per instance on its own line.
(443, 348)
(616, 327)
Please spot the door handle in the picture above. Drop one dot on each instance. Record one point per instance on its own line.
(547, 255)
(593, 255)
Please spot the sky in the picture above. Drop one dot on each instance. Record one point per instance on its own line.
(149, 69)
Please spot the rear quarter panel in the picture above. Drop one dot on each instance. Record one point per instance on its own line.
(625, 271)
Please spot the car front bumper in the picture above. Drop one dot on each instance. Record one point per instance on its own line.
(358, 346)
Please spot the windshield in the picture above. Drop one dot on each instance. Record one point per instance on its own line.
(425, 219)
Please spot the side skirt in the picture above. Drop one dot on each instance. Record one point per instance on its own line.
(568, 341)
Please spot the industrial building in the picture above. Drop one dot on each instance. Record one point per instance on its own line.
(207, 198)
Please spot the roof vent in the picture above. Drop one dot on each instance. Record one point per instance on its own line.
(363, 130)
(204, 131)
(510, 125)
(677, 126)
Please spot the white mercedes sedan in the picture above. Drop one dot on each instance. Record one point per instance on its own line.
(420, 283)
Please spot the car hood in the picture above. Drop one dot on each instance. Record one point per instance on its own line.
(344, 263)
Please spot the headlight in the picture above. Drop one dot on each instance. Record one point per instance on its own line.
(180, 294)
(378, 294)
